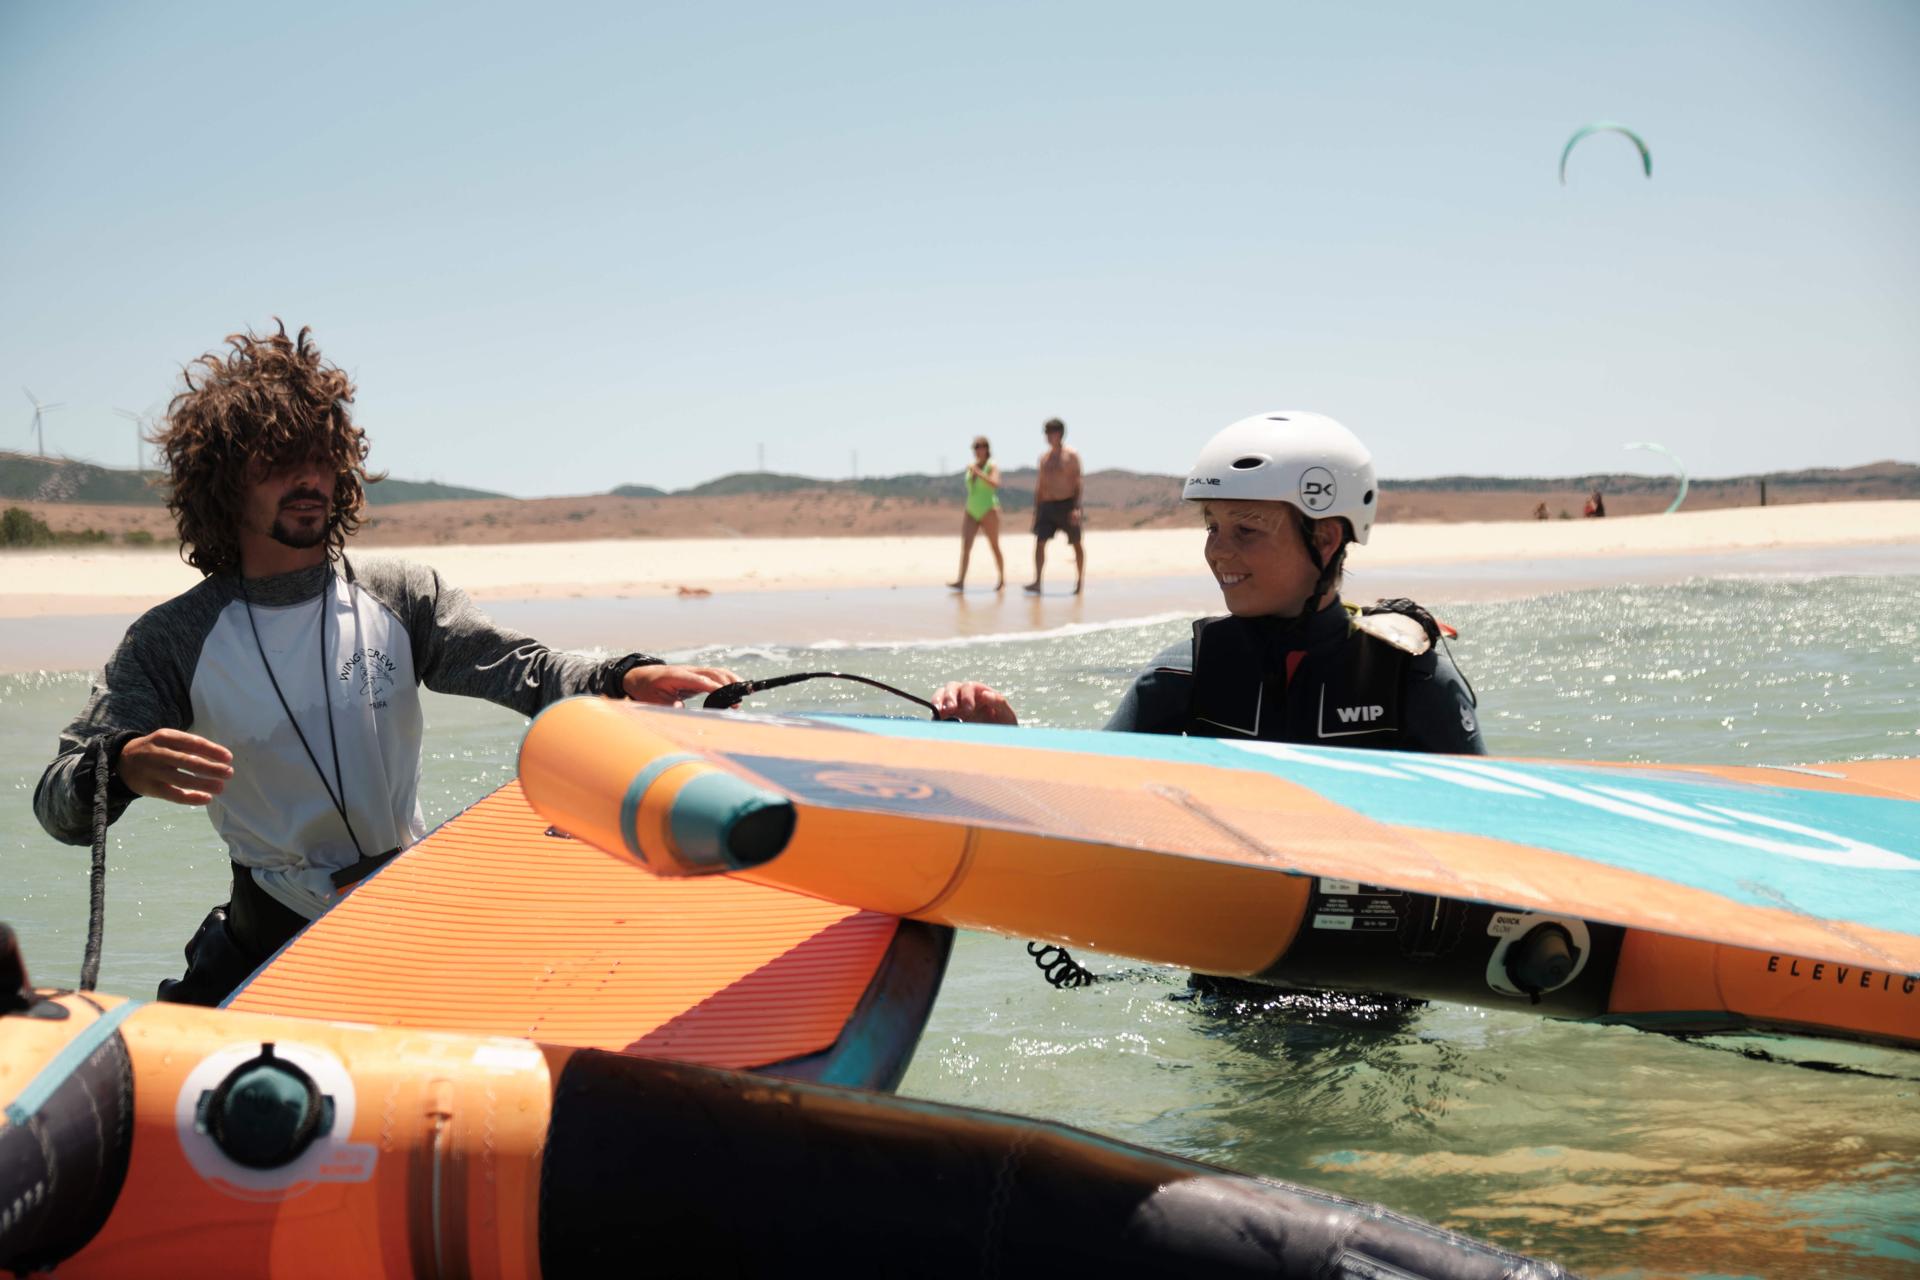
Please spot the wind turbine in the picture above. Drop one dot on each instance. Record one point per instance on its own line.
(39, 433)
(139, 421)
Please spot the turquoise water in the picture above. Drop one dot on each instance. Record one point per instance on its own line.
(1609, 1150)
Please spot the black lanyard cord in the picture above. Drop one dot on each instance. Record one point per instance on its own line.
(97, 878)
(326, 706)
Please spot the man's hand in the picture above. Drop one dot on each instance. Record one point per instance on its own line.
(974, 702)
(174, 765)
(670, 686)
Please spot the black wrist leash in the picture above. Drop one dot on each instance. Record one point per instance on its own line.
(728, 696)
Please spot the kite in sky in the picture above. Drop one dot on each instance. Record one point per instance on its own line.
(1605, 126)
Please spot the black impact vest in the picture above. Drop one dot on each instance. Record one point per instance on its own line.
(1324, 681)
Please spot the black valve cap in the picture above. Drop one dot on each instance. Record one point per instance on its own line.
(1542, 960)
(266, 1112)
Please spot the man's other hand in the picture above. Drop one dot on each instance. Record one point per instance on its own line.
(174, 765)
(974, 702)
(670, 686)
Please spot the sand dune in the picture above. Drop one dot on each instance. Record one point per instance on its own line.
(1115, 500)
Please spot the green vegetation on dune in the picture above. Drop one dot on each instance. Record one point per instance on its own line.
(906, 488)
(27, 478)
(31, 479)
(392, 492)
(753, 482)
(22, 529)
(1118, 488)
(1015, 495)
(1879, 479)
(61, 480)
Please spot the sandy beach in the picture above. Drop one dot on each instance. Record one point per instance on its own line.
(64, 609)
(72, 582)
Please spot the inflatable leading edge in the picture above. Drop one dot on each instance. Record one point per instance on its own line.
(1210, 867)
(161, 1140)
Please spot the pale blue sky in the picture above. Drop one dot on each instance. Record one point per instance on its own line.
(582, 245)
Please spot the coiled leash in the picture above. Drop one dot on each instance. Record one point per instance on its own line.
(1055, 962)
(1059, 966)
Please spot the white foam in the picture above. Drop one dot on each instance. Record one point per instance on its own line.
(777, 652)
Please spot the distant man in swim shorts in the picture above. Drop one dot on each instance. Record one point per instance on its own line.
(1056, 505)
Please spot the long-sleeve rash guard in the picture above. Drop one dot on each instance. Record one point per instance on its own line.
(194, 663)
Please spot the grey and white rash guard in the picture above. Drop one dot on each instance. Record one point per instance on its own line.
(194, 663)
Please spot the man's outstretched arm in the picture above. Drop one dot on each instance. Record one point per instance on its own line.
(458, 649)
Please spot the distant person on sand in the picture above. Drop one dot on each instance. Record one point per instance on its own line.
(1540, 512)
(982, 514)
(282, 694)
(1596, 506)
(1056, 505)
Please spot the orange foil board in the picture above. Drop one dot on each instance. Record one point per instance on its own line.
(491, 925)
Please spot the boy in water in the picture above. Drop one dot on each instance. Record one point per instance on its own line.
(1282, 496)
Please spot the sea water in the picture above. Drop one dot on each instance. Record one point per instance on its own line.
(1612, 1151)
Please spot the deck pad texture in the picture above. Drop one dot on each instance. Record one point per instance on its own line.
(495, 924)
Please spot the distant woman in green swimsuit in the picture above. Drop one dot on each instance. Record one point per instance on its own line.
(983, 512)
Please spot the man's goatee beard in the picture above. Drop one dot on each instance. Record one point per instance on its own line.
(300, 541)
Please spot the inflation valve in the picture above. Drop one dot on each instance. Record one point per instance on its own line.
(1543, 960)
(1535, 954)
(265, 1113)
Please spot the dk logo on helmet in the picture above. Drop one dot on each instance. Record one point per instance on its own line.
(1317, 490)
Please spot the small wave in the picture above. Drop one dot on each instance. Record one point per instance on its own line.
(777, 651)
(41, 678)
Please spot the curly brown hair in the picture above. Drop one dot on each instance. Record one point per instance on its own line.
(272, 401)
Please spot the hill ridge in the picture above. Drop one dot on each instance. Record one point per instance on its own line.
(24, 477)
(31, 478)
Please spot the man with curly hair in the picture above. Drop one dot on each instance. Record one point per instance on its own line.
(282, 692)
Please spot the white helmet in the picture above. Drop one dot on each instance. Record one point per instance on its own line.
(1304, 459)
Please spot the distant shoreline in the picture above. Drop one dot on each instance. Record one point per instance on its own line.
(63, 609)
(91, 503)
(87, 580)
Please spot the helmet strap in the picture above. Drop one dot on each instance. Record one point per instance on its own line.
(1329, 570)
(1329, 567)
